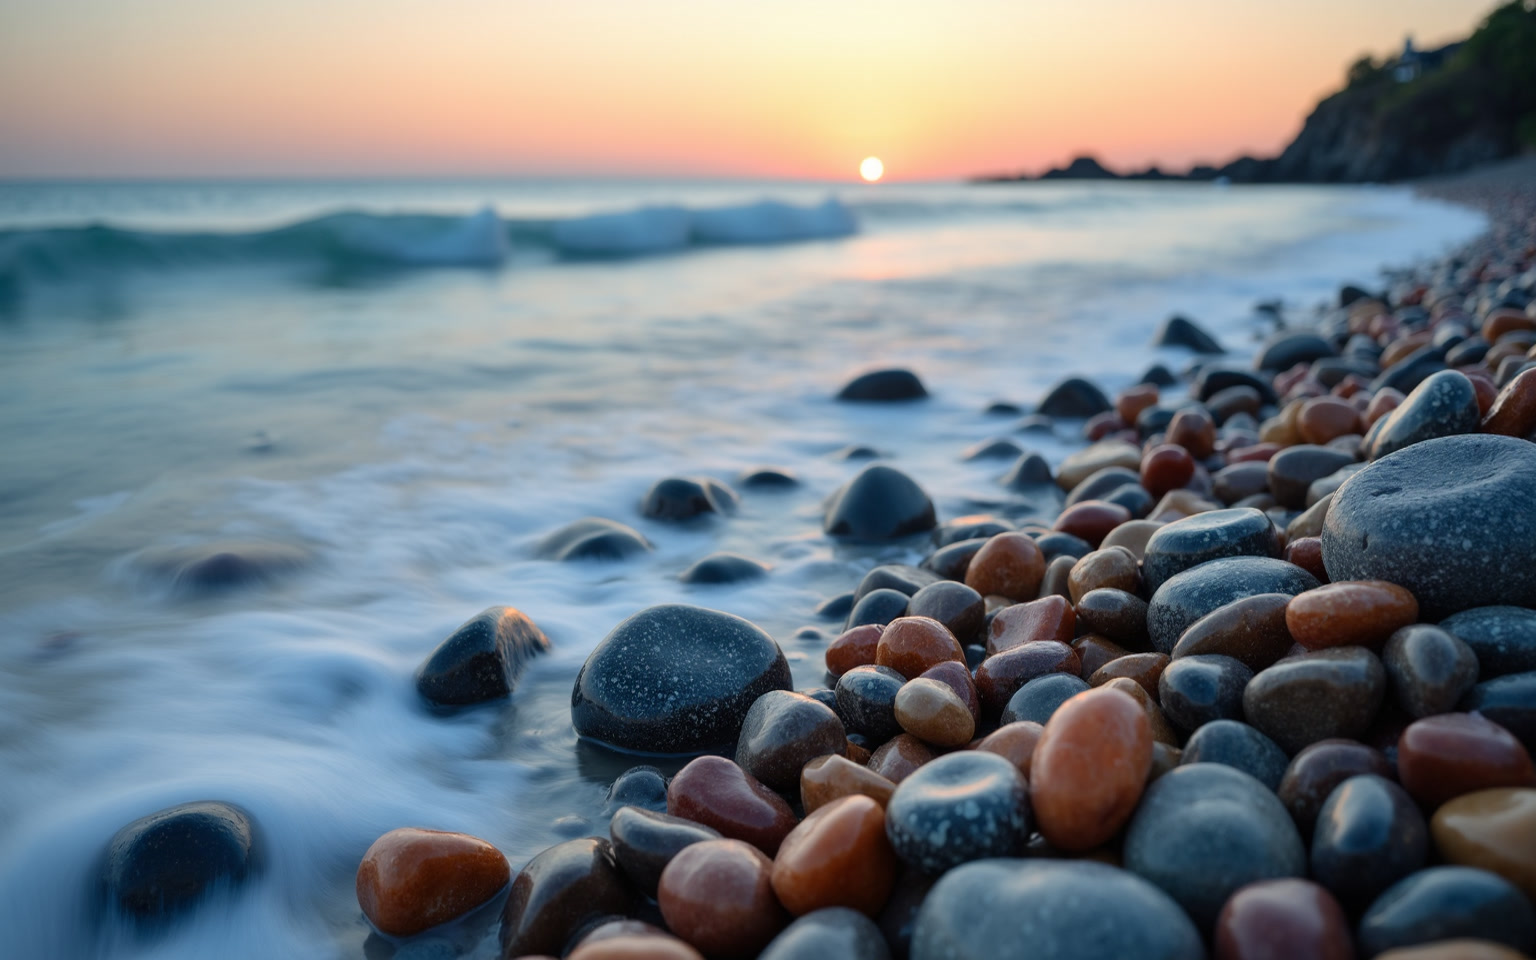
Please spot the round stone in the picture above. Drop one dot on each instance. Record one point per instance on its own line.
(411, 880)
(1237, 745)
(1014, 742)
(912, 645)
(1204, 830)
(719, 794)
(838, 856)
(1074, 397)
(1188, 596)
(640, 786)
(1116, 614)
(1428, 669)
(631, 940)
(1281, 919)
(1446, 519)
(1368, 836)
(678, 499)
(1329, 693)
(1166, 467)
(1000, 676)
(593, 538)
(724, 568)
(1443, 405)
(1445, 756)
(1084, 463)
(1251, 630)
(1009, 565)
(1442, 903)
(866, 698)
(1089, 767)
(830, 932)
(1187, 543)
(1038, 699)
(1114, 568)
(566, 886)
(718, 896)
(1050, 910)
(959, 608)
(1492, 829)
(854, 647)
(1293, 470)
(934, 713)
(1508, 701)
(960, 807)
(1049, 618)
(957, 677)
(645, 841)
(1502, 638)
(163, 863)
(782, 732)
(880, 503)
(1144, 668)
(1194, 691)
(829, 778)
(1327, 418)
(1102, 483)
(675, 679)
(1356, 613)
(1092, 520)
(1314, 773)
(883, 386)
(899, 757)
(878, 608)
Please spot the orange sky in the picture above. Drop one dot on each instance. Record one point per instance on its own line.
(780, 88)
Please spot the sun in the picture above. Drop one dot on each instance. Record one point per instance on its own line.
(871, 169)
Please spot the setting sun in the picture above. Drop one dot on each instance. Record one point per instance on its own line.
(871, 169)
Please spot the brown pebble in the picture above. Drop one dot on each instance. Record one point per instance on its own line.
(1324, 418)
(1505, 320)
(935, 714)
(1092, 520)
(1166, 467)
(1492, 829)
(1317, 769)
(854, 648)
(837, 857)
(1194, 430)
(958, 678)
(911, 645)
(1106, 453)
(1113, 569)
(1133, 400)
(1513, 413)
(1014, 742)
(1143, 668)
(1487, 391)
(1049, 618)
(645, 946)
(1009, 565)
(1354, 612)
(831, 777)
(1089, 768)
(1162, 729)
(718, 895)
(719, 794)
(1445, 756)
(1095, 651)
(1281, 919)
(1383, 402)
(411, 880)
(1307, 553)
(899, 756)
(857, 753)
(1252, 630)
(1101, 425)
(1133, 536)
(1458, 949)
(1001, 675)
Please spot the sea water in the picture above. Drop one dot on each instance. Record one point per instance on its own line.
(405, 385)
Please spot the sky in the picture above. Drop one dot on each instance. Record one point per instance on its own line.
(722, 88)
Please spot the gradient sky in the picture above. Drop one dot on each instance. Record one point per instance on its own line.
(780, 88)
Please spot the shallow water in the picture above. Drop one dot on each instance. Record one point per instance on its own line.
(413, 431)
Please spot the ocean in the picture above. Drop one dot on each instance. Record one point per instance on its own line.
(400, 387)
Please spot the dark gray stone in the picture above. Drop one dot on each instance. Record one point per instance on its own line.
(593, 538)
(951, 562)
(1368, 836)
(867, 698)
(1074, 397)
(878, 606)
(1061, 544)
(957, 606)
(767, 478)
(1293, 470)
(645, 841)
(216, 568)
(1203, 688)
(639, 786)
(1237, 745)
(829, 932)
(884, 386)
(1040, 697)
(724, 568)
(1410, 371)
(1509, 701)
(687, 498)
(1101, 483)
(1030, 473)
(1179, 331)
(1502, 638)
(784, 731)
(997, 448)
(1444, 405)
(974, 527)
(1190, 595)
(1187, 543)
(1159, 376)
(162, 864)
(1116, 614)
(1213, 379)
(881, 503)
(959, 807)
(1334, 692)
(1448, 903)
(836, 608)
(1428, 669)
(1284, 350)
(482, 659)
(894, 576)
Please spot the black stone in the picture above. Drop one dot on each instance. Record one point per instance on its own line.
(1293, 470)
(782, 733)
(970, 528)
(1116, 614)
(639, 786)
(1202, 831)
(767, 478)
(1159, 376)
(1212, 379)
(957, 606)
(867, 696)
(895, 576)
(1284, 350)
(1187, 543)
(1040, 697)
(959, 807)
(593, 538)
(645, 841)
(216, 568)
(1029, 473)
(1448, 519)
(1153, 420)
(1100, 483)
(884, 385)
(1134, 498)
(951, 562)
(558, 892)
(1428, 668)
(1444, 405)
(1061, 544)
(829, 932)
(1003, 408)
(1179, 331)
(482, 659)
(1509, 701)
(1074, 397)
(675, 679)
(881, 503)
(1199, 689)
(878, 606)
(997, 448)
(163, 863)
(685, 498)
(1368, 836)
(1469, 351)
(1051, 910)
(1448, 903)
(1237, 745)
(835, 608)
(724, 568)
(1190, 595)
(1334, 692)
(1502, 638)
(1411, 370)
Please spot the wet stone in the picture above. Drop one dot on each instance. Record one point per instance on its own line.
(1110, 569)
(718, 895)
(1328, 693)
(1314, 772)
(1428, 669)
(1133, 536)
(1082, 464)
(724, 568)
(639, 786)
(1166, 467)
(1323, 419)
(1442, 757)
(880, 503)
(1204, 830)
(1443, 405)
(1187, 543)
(675, 679)
(1092, 520)
(854, 647)
(629, 940)
(955, 605)
(1359, 613)
(837, 856)
(1513, 413)
(895, 576)
(1240, 746)
(971, 527)
(1331, 483)
(1057, 573)
(951, 562)
(781, 733)
(1443, 903)
(678, 499)
(1188, 596)
(878, 607)
(1251, 630)
(1101, 483)
(994, 448)
(1031, 475)
(1283, 351)
(1509, 701)
(1009, 565)
(1179, 331)
(1162, 730)
(911, 645)
(1307, 553)
(593, 538)
(899, 757)
(482, 659)
(720, 795)
(957, 677)
(835, 608)
(1293, 470)
(1232, 483)
(558, 891)
(1194, 430)
(1491, 829)
(1014, 742)
(1058, 544)
(1074, 397)
(1038, 699)
(1000, 676)
(1096, 652)
(1088, 769)
(934, 713)
(1196, 690)
(960, 807)
(867, 698)
(1146, 669)
(1060, 909)
(1368, 836)
(832, 777)
(767, 478)
(1502, 638)
(829, 932)
(1275, 919)
(883, 386)
(161, 864)
(645, 841)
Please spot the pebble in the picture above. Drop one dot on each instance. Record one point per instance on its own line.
(1492, 829)
(835, 607)
(1353, 613)
(1049, 618)
(1133, 399)
(1060, 544)
(1095, 652)
(1038, 699)
(1009, 565)
(838, 856)
(883, 386)
(1179, 331)
(1000, 676)
(724, 568)
(1145, 669)
(781, 733)
(1251, 630)
(1443, 903)
(829, 932)
(1428, 669)
(1091, 520)
(1089, 767)
(1194, 430)
(1237, 745)
(934, 713)
(411, 880)
(959, 807)
(878, 608)
(639, 786)
(854, 647)
(957, 677)
(558, 891)
(1459, 948)
(1057, 573)
(1446, 519)
(1443, 405)
(1204, 830)
(899, 757)
(1326, 418)
(653, 944)
(1190, 595)
(1284, 350)
(1307, 553)
(675, 679)
(1081, 464)
(1162, 730)
(1368, 836)
(1514, 409)
(1014, 742)
(1050, 910)
(719, 794)
(958, 607)
(767, 478)
(163, 863)
(1074, 397)
(645, 841)
(1327, 693)
(593, 538)
(951, 562)
(1292, 471)
(1114, 568)
(1502, 638)
(880, 503)
(1442, 757)
(1281, 920)
(1509, 701)
(866, 699)
(1194, 691)
(911, 645)
(678, 499)
(1309, 523)
(1314, 772)
(718, 895)
(1133, 536)
(900, 577)
(1166, 467)
(832, 777)
(482, 659)
(1102, 483)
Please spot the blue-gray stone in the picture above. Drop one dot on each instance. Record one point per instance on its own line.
(593, 538)
(1188, 596)
(1502, 638)
(1199, 689)
(1187, 543)
(724, 568)
(1448, 903)
(880, 503)
(1040, 697)
(163, 863)
(829, 932)
(482, 659)
(884, 386)
(1444, 405)
(962, 806)
(1369, 835)
(1237, 745)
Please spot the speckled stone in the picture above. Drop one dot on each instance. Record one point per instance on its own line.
(1328, 693)
(1190, 595)
(482, 659)
(1252, 630)
(959, 807)
(558, 891)
(1368, 836)
(1503, 638)
(1204, 830)
(1038, 699)
(1428, 669)
(829, 932)
(1194, 691)
(675, 679)
(1492, 829)
(782, 732)
(1283, 920)
(1050, 910)
(866, 698)
(1187, 543)
(1237, 745)
(644, 842)
(1442, 903)
(1313, 773)
(1443, 405)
